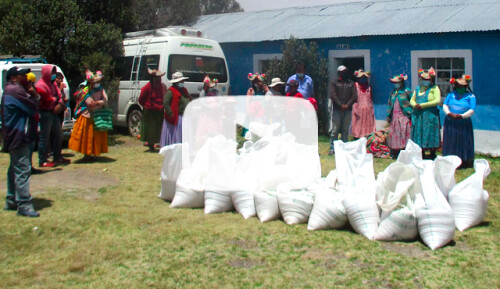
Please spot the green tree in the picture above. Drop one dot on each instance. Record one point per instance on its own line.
(57, 31)
(296, 51)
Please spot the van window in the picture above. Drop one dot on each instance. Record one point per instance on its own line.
(123, 67)
(197, 67)
(148, 61)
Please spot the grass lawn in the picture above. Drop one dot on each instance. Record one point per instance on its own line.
(102, 226)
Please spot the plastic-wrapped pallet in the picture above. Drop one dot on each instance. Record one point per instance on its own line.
(266, 205)
(395, 194)
(436, 224)
(172, 165)
(468, 200)
(295, 206)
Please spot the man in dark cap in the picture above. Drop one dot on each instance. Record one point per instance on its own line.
(18, 131)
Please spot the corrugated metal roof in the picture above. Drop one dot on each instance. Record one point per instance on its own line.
(353, 19)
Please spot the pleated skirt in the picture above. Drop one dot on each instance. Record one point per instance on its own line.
(458, 138)
(84, 139)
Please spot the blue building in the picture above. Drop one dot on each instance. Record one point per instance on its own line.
(455, 37)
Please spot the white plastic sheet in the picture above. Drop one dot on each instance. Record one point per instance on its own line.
(468, 200)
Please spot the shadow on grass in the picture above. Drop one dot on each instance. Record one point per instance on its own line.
(94, 159)
(41, 203)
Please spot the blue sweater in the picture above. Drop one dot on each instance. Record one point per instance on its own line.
(18, 123)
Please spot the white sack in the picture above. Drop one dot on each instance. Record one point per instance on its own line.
(344, 168)
(218, 202)
(266, 205)
(411, 154)
(170, 170)
(444, 172)
(397, 225)
(435, 221)
(221, 165)
(189, 190)
(363, 213)
(244, 204)
(328, 211)
(468, 200)
(295, 206)
(395, 196)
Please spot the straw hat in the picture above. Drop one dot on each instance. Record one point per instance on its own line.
(177, 77)
(398, 78)
(155, 72)
(253, 76)
(93, 77)
(464, 80)
(360, 73)
(275, 81)
(431, 73)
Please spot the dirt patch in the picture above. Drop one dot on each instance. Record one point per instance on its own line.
(405, 249)
(244, 244)
(316, 254)
(245, 263)
(77, 179)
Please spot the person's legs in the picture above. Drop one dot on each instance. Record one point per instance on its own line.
(45, 128)
(21, 169)
(10, 199)
(345, 123)
(335, 130)
(57, 136)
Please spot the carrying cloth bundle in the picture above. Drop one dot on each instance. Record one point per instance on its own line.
(103, 119)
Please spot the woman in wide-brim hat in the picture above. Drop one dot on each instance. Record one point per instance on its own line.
(458, 134)
(151, 99)
(84, 138)
(174, 102)
(363, 115)
(398, 115)
(425, 124)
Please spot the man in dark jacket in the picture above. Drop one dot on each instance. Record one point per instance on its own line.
(343, 95)
(18, 131)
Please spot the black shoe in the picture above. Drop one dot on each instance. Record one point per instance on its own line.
(10, 208)
(28, 213)
(331, 152)
(35, 171)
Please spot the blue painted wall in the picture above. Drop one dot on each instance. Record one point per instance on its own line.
(391, 55)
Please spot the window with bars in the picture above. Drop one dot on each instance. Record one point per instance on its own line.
(446, 68)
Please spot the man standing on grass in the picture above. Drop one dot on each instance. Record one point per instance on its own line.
(343, 95)
(19, 130)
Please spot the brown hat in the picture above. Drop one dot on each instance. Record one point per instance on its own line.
(398, 78)
(464, 80)
(155, 72)
(253, 76)
(431, 73)
(360, 73)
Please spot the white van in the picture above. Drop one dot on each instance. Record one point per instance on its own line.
(36, 63)
(170, 50)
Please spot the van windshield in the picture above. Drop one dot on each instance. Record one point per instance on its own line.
(197, 67)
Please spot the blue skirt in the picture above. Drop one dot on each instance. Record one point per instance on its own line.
(458, 138)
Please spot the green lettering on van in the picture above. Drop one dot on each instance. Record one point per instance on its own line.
(198, 46)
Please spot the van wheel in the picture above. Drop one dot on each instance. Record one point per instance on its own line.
(134, 122)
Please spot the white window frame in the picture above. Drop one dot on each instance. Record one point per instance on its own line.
(259, 58)
(334, 54)
(417, 55)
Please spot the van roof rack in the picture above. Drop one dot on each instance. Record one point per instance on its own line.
(23, 59)
(166, 31)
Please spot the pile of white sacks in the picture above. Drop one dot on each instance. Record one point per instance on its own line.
(274, 177)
